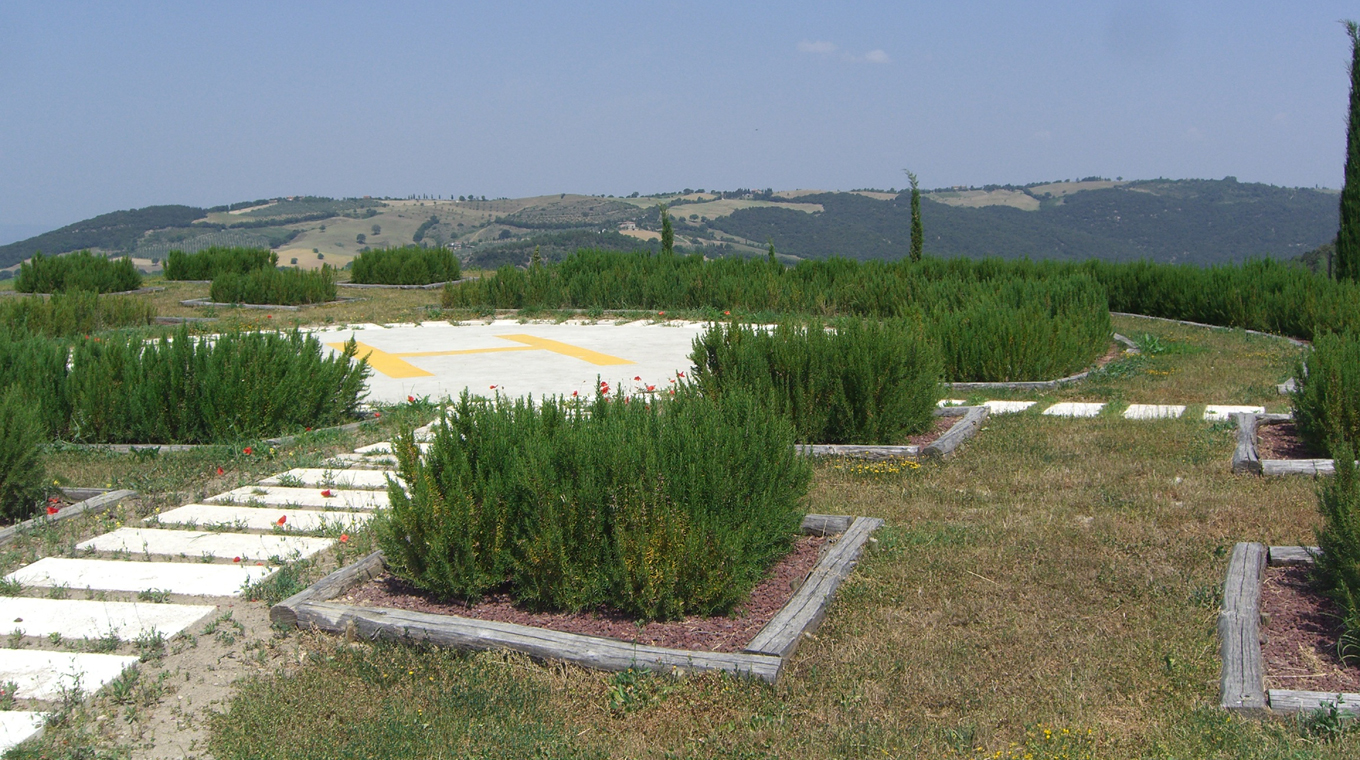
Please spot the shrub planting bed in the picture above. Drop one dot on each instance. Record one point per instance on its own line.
(77, 271)
(989, 320)
(282, 287)
(1327, 399)
(656, 508)
(180, 388)
(77, 312)
(408, 265)
(212, 262)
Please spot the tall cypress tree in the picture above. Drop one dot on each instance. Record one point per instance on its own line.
(918, 234)
(1348, 238)
(667, 233)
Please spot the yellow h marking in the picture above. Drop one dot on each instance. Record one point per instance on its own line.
(393, 364)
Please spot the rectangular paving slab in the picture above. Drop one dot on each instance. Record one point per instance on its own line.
(1074, 409)
(338, 498)
(1007, 407)
(19, 725)
(190, 578)
(195, 543)
(1153, 411)
(89, 619)
(43, 675)
(1224, 412)
(319, 477)
(385, 447)
(260, 518)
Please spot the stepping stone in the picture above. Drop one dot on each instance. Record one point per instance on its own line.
(193, 543)
(191, 578)
(385, 447)
(1074, 409)
(319, 477)
(1225, 412)
(87, 619)
(1153, 411)
(259, 518)
(951, 402)
(43, 675)
(302, 497)
(371, 461)
(1007, 407)
(17, 726)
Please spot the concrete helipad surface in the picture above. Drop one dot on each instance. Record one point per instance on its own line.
(259, 518)
(339, 498)
(88, 619)
(43, 675)
(194, 543)
(117, 575)
(439, 360)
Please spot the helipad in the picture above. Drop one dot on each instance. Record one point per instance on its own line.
(439, 359)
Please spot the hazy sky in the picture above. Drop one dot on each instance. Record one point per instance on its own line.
(111, 106)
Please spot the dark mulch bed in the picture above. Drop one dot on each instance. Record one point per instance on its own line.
(713, 634)
(1281, 440)
(1301, 635)
(938, 428)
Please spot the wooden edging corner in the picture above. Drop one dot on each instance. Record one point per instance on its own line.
(965, 428)
(1247, 457)
(1239, 632)
(94, 504)
(763, 658)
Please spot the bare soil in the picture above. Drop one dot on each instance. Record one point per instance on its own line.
(709, 634)
(938, 428)
(1281, 440)
(1302, 629)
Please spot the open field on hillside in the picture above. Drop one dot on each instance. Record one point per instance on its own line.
(980, 198)
(1051, 591)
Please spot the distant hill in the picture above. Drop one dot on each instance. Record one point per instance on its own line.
(1186, 221)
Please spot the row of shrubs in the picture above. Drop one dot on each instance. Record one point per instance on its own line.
(657, 508)
(181, 388)
(76, 312)
(408, 265)
(211, 262)
(989, 320)
(77, 271)
(283, 287)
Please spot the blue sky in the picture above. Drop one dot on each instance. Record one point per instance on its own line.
(113, 106)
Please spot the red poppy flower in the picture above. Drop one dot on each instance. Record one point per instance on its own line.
(377, 414)
(681, 374)
(53, 510)
(235, 559)
(247, 451)
(651, 388)
(282, 519)
(727, 313)
(221, 471)
(661, 313)
(327, 493)
(344, 538)
(269, 316)
(308, 429)
(573, 394)
(493, 387)
(410, 399)
(637, 377)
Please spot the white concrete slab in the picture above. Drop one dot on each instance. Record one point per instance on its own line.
(319, 477)
(1074, 409)
(385, 447)
(43, 675)
(195, 543)
(1153, 411)
(191, 578)
(951, 402)
(1224, 412)
(347, 461)
(17, 726)
(340, 498)
(259, 518)
(89, 619)
(440, 360)
(1007, 407)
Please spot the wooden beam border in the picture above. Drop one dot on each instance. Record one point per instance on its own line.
(1247, 457)
(763, 658)
(970, 422)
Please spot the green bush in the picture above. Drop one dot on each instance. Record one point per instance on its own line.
(1338, 566)
(213, 261)
(185, 389)
(658, 508)
(409, 265)
(280, 287)
(77, 271)
(862, 382)
(992, 320)
(39, 366)
(77, 312)
(1327, 402)
(22, 478)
